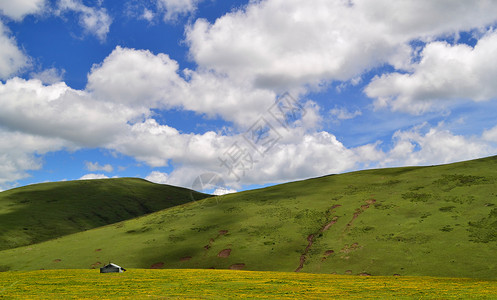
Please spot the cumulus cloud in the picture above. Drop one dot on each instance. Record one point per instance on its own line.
(137, 78)
(444, 72)
(434, 146)
(158, 177)
(93, 176)
(18, 9)
(20, 152)
(49, 76)
(12, 59)
(92, 167)
(283, 43)
(94, 20)
(57, 111)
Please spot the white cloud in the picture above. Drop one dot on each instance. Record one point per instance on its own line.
(157, 144)
(49, 76)
(444, 72)
(158, 177)
(490, 134)
(147, 15)
(174, 8)
(137, 78)
(223, 191)
(12, 59)
(342, 113)
(140, 78)
(94, 20)
(92, 167)
(436, 146)
(18, 9)
(20, 152)
(279, 44)
(57, 111)
(93, 176)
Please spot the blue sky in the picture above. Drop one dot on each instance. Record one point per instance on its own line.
(257, 92)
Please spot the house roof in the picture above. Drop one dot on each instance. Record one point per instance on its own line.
(112, 265)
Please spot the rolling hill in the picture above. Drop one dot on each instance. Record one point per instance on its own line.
(431, 221)
(40, 212)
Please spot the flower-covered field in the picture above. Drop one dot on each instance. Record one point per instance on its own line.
(213, 284)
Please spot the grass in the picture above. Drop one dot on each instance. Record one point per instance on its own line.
(417, 221)
(40, 212)
(225, 284)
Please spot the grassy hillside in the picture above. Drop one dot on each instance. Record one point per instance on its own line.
(432, 221)
(39, 212)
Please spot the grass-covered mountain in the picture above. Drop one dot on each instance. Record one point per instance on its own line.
(40, 212)
(436, 221)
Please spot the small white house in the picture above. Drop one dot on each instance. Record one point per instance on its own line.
(112, 268)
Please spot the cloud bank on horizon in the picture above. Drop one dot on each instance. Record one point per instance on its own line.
(260, 92)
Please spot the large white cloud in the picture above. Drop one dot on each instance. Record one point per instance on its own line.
(12, 59)
(57, 111)
(444, 72)
(283, 43)
(18, 9)
(137, 78)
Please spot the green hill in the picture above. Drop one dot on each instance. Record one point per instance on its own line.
(433, 221)
(40, 212)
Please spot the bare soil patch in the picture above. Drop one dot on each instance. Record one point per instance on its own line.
(186, 258)
(353, 247)
(158, 265)
(224, 253)
(371, 201)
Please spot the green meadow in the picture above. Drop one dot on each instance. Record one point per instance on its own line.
(226, 284)
(414, 221)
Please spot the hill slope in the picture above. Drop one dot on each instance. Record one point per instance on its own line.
(435, 221)
(40, 212)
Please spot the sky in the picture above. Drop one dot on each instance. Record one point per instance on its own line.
(233, 95)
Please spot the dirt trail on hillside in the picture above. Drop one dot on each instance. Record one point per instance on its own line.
(357, 213)
(330, 222)
(310, 237)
